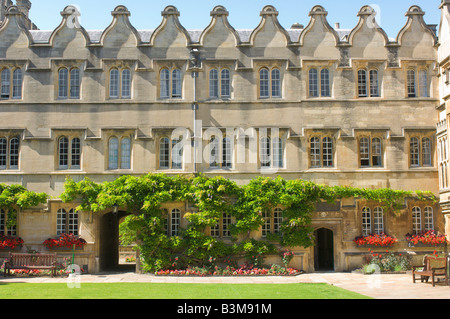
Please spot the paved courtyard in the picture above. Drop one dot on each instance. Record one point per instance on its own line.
(377, 286)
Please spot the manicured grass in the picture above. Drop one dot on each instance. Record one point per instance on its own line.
(173, 291)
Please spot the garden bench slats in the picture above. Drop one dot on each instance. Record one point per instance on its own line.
(430, 269)
(30, 261)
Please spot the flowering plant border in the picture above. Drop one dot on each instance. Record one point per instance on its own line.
(65, 241)
(428, 238)
(381, 240)
(10, 242)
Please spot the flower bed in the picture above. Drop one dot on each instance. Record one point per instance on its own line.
(65, 241)
(381, 240)
(428, 238)
(274, 270)
(9, 242)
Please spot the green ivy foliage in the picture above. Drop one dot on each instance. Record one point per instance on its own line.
(143, 197)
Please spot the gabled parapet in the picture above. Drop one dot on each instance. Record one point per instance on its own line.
(219, 31)
(367, 27)
(415, 23)
(269, 32)
(172, 28)
(13, 30)
(114, 34)
(318, 23)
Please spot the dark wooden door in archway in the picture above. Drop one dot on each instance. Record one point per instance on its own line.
(324, 250)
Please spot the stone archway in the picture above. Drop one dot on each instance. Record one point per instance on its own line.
(324, 250)
(109, 241)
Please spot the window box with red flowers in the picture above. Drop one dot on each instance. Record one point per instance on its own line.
(65, 242)
(9, 243)
(426, 239)
(375, 240)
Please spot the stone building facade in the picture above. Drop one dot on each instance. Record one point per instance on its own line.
(337, 107)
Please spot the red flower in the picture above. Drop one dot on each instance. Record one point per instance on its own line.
(65, 240)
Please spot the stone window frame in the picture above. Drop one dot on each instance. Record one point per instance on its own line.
(71, 86)
(420, 154)
(4, 220)
(170, 68)
(442, 152)
(170, 158)
(70, 136)
(321, 136)
(272, 223)
(220, 69)
(369, 83)
(368, 223)
(272, 154)
(422, 208)
(167, 214)
(270, 82)
(120, 135)
(72, 219)
(371, 136)
(12, 85)
(121, 69)
(319, 81)
(414, 72)
(9, 161)
(221, 230)
(226, 160)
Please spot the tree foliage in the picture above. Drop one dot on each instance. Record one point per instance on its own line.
(144, 196)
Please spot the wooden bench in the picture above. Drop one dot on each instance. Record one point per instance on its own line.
(432, 267)
(30, 261)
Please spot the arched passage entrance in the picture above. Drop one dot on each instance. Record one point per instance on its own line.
(109, 242)
(324, 250)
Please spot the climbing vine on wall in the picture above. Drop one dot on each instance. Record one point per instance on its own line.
(144, 196)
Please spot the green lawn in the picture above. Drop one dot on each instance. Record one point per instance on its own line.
(173, 291)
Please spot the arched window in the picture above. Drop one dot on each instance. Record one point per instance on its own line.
(264, 83)
(164, 153)
(327, 150)
(67, 222)
(214, 152)
(277, 220)
(114, 80)
(177, 153)
(267, 221)
(325, 83)
(176, 83)
(374, 88)
(277, 147)
(364, 151)
(276, 83)
(411, 83)
(63, 152)
(426, 151)
(362, 83)
(225, 84)
(265, 154)
(378, 220)
(6, 83)
(376, 152)
(125, 153)
(17, 84)
(175, 222)
(76, 153)
(366, 221)
(428, 218)
(226, 153)
(3, 153)
(423, 83)
(164, 84)
(213, 83)
(14, 145)
(414, 150)
(63, 81)
(315, 151)
(313, 83)
(126, 84)
(113, 153)
(417, 220)
(61, 221)
(75, 83)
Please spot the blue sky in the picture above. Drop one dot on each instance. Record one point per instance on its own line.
(244, 14)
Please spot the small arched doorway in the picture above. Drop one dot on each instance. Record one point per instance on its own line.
(109, 242)
(324, 250)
